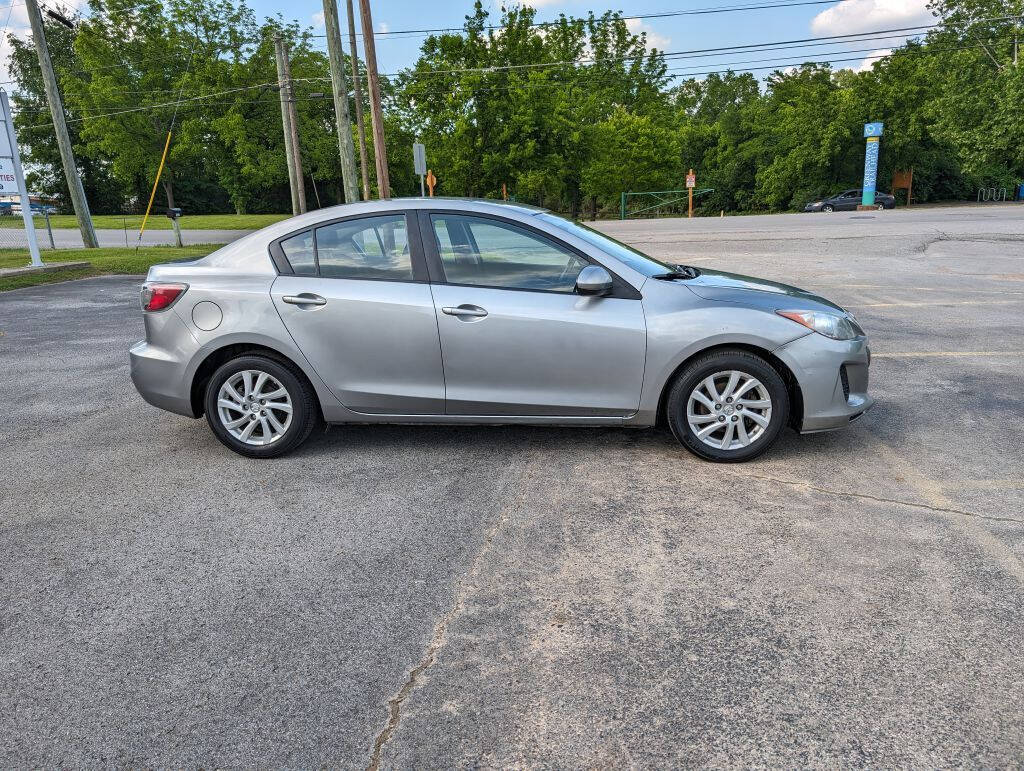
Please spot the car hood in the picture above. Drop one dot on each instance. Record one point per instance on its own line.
(733, 287)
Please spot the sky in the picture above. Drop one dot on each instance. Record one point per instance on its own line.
(680, 33)
(672, 34)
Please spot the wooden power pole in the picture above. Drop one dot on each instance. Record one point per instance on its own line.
(291, 129)
(336, 55)
(357, 88)
(380, 152)
(60, 128)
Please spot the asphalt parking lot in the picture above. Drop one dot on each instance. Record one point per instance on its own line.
(433, 597)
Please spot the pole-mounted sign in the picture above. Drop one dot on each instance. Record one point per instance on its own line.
(873, 135)
(419, 160)
(12, 177)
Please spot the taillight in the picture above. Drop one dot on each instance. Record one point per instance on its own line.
(157, 297)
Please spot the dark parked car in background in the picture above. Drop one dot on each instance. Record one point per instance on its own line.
(849, 200)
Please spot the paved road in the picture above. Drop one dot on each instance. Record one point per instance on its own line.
(70, 238)
(533, 597)
(952, 220)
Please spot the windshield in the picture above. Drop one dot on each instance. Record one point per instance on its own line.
(638, 261)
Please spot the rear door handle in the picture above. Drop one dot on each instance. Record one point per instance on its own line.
(465, 310)
(304, 299)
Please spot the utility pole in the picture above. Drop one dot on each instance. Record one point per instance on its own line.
(380, 153)
(291, 132)
(358, 93)
(60, 128)
(336, 56)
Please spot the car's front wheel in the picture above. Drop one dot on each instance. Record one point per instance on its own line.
(259, 407)
(828, 208)
(728, 406)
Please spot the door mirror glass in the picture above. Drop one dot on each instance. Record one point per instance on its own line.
(594, 280)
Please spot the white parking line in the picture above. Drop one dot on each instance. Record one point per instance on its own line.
(937, 302)
(942, 354)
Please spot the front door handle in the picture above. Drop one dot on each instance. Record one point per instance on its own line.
(465, 310)
(304, 299)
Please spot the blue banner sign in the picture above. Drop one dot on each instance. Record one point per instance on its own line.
(873, 131)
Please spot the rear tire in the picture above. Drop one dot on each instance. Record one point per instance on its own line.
(728, 406)
(260, 407)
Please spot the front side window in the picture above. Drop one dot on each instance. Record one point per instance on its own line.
(483, 252)
(370, 247)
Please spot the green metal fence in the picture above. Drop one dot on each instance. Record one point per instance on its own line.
(662, 198)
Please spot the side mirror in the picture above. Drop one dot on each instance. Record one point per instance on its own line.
(594, 280)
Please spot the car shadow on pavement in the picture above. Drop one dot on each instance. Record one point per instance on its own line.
(339, 439)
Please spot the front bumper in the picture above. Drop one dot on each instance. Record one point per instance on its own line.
(833, 380)
(813, 207)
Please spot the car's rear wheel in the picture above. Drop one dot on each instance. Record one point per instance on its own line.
(728, 406)
(828, 208)
(880, 207)
(260, 407)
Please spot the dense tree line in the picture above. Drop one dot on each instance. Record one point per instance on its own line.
(567, 114)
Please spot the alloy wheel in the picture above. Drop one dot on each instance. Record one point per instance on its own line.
(729, 410)
(254, 407)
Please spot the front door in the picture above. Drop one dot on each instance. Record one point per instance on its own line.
(849, 200)
(359, 307)
(516, 338)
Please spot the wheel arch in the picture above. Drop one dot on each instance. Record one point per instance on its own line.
(232, 350)
(796, 397)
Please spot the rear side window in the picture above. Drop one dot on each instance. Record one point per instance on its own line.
(372, 247)
(299, 251)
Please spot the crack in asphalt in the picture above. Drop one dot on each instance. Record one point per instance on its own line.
(440, 635)
(878, 499)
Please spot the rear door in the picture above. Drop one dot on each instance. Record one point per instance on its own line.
(515, 337)
(359, 306)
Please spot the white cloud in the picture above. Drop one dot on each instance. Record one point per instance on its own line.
(873, 57)
(16, 18)
(852, 16)
(654, 40)
(383, 28)
(318, 20)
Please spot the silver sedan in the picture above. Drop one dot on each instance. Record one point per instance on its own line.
(453, 311)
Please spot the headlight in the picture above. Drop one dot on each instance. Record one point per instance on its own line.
(816, 203)
(828, 324)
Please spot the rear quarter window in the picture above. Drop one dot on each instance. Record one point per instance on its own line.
(298, 250)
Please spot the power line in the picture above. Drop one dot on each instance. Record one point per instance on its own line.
(612, 19)
(720, 68)
(174, 103)
(849, 37)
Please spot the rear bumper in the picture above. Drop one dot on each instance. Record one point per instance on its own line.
(157, 376)
(161, 370)
(819, 364)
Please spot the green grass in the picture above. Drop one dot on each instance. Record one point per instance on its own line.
(104, 261)
(156, 221)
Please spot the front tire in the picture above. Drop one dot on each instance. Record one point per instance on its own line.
(259, 407)
(728, 406)
(828, 208)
